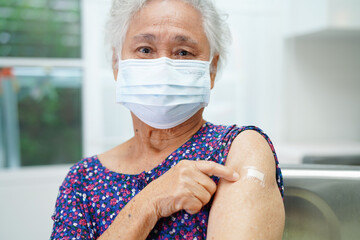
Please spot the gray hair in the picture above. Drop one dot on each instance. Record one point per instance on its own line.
(214, 23)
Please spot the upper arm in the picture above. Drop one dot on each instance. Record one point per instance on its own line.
(246, 208)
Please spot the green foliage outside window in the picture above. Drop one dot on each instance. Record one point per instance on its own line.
(50, 127)
(40, 28)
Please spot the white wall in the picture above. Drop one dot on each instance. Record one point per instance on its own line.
(97, 73)
(251, 84)
(321, 79)
(27, 200)
(323, 87)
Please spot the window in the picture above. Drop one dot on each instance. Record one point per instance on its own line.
(40, 82)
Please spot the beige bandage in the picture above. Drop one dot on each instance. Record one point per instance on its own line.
(251, 173)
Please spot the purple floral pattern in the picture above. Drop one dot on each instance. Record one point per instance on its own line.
(91, 195)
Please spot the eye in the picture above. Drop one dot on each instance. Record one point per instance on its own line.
(145, 50)
(184, 53)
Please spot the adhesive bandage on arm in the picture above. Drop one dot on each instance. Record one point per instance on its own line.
(251, 173)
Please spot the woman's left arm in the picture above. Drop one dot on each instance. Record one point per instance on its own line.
(247, 209)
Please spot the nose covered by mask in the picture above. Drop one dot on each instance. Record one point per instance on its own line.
(163, 92)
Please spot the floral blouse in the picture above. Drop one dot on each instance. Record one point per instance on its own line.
(91, 195)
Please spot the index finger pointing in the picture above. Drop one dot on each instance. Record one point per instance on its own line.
(211, 168)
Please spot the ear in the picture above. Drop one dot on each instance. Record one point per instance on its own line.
(115, 61)
(213, 69)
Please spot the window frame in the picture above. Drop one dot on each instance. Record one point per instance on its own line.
(13, 160)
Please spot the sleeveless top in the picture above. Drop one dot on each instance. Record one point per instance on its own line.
(91, 195)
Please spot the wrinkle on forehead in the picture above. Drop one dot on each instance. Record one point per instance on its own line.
(164, 21)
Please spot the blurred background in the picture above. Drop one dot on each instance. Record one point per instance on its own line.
(293, 70)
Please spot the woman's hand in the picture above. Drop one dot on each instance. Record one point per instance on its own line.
(186, 186)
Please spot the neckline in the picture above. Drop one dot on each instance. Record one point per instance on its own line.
(97, 160)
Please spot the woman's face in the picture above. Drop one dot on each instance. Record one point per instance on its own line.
(169, 28)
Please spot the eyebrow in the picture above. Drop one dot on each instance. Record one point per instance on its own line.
(147, 37)
(184, 39)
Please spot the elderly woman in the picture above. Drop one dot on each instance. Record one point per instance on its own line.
(179, 177)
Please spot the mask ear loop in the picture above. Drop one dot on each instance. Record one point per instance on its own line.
(210, 62)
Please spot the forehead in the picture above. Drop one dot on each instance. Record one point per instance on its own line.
(168, 17)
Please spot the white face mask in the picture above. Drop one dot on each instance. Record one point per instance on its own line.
(163, 92)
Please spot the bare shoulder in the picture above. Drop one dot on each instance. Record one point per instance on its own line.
(251, 149)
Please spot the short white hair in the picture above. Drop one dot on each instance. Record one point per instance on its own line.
(214, 23)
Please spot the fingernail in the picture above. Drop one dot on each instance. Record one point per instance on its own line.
(236, 176)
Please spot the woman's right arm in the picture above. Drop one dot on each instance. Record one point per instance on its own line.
(134, 221)
(186, 186)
